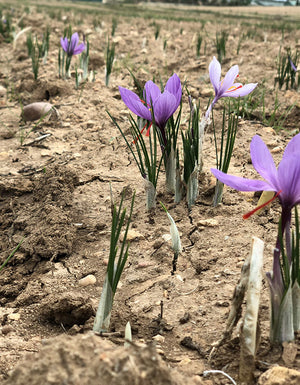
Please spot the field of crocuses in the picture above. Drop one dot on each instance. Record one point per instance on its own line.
(116, 120)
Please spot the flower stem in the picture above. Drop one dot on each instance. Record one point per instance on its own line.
(171, 171)
(150, 195)
(218, 193)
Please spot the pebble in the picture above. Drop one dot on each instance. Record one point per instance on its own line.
(166, 237)
(222, 303)
(143, 265)
(88, 280)
(240, 264)
(277, 149)
(118, 39)
(2, 91)
(14, 316)
(158, 338)
(4, 155)
(185, 361)
(7, 329)
(90, 124)
(132, 235)
(160, 351)
(45, 153)
(268, 130)
(75, 329)
(208, 222)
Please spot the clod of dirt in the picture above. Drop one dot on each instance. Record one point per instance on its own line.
(188, 343)
(89, 360)
(52, 210)
(68, 308)
(280, 376)
(34, 91)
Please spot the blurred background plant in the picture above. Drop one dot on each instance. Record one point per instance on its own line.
(225, 147)
(287, 69)
(37, 50)
(110, 57)
(114, 26)
(6, 27)
(220, 43)
(70, 47)
(198, 44)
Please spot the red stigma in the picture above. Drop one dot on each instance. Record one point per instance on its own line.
(248, 215)
(234, 88)
(142, 130)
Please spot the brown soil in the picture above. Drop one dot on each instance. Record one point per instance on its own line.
(55, 193)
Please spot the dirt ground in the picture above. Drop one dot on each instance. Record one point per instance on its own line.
(55, 193)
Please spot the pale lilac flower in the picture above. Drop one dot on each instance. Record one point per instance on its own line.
(164, 103)
(226, 87)
(284, 180)
(72, 47)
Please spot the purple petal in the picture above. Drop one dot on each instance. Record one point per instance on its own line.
(164, 106)
(174, 87)
(73, 43)
(134, 103)
(293, 146)
(294, 68)
(228, 80)
(207, 113)
(289, 179)
(263, 162)
(215, 74)
(80, 48)
(64, 43)
(241, 184)
(243, 91)
(151, 92)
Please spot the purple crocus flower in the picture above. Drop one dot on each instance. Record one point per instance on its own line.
(72, 47)
(164, 103)
(285, 180)
(226, 87)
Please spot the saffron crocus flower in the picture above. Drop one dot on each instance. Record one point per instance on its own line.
(285, 180)
(72, 47)
(226, 87)
(164, 103)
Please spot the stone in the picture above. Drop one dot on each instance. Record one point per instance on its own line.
(132, 235)
(2, 91)
(280, 375)
(158, 338)
(208, 222)
(14, 316)
(88, 280)
(7, 329)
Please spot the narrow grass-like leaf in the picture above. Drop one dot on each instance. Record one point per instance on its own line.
(115, 266)
(227, 141)
(11, 254)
